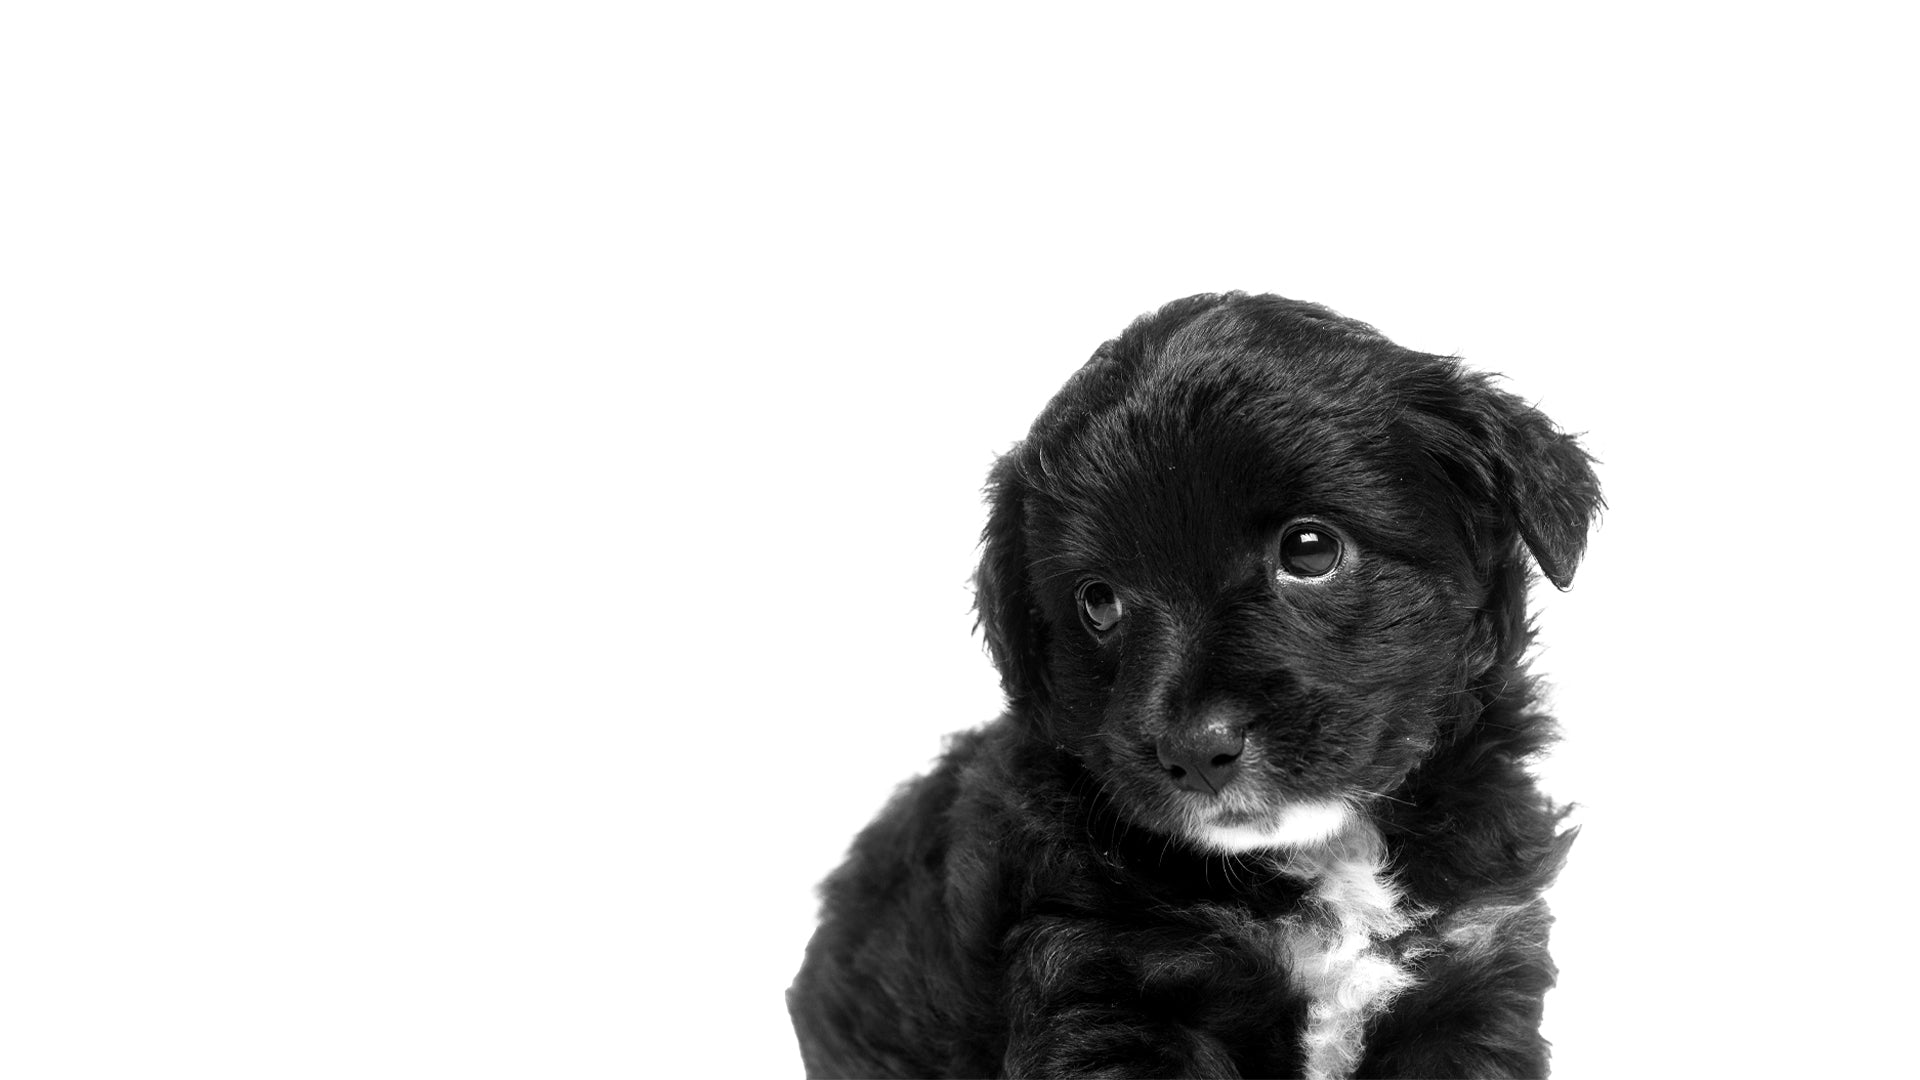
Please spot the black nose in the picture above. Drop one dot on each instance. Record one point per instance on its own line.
(1203, 758)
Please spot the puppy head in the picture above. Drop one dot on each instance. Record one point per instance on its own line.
(1250, 561)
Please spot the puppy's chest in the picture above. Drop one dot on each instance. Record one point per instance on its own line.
(1341, 956)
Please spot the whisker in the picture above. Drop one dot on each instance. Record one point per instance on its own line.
(1387, 797)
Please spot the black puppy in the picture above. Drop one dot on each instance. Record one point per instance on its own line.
(1256, 586)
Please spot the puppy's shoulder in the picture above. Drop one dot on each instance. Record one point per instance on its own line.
(910, 833)
(1472, 827)
(970, 792)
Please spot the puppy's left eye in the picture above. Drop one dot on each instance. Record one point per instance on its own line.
(1100, 606)
(1308, 550)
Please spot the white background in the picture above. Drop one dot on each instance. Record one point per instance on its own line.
(489, 490)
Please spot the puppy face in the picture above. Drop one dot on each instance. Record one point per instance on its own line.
(1252, 561)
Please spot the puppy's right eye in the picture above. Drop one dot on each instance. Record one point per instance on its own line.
(1309, 551)
(1100, 606)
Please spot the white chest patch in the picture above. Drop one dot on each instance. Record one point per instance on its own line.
(1336, 949)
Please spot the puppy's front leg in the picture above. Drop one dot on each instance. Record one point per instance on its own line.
(1107, 1041)
(1092, 999)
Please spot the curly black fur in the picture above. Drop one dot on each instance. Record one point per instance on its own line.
(1053, 899)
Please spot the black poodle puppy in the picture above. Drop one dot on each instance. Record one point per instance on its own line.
(1259, 805)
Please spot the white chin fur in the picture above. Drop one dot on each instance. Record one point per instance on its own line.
(1298, 825)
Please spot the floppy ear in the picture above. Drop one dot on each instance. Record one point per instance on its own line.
(1001, 600)
(1537, 476)
(1550, 490)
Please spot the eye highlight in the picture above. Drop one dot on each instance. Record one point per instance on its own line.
(1309, 550)
(1100, 606)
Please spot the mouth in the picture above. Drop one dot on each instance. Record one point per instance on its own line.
(1233, 831)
